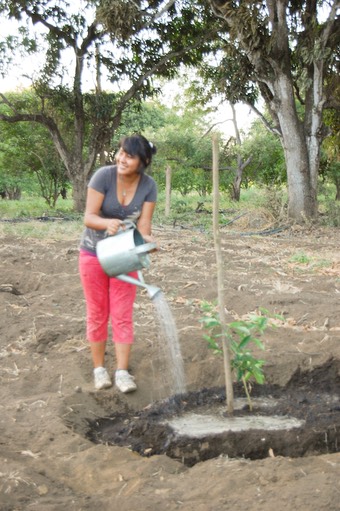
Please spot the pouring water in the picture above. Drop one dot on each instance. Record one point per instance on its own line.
(170, 343)
(124, 253)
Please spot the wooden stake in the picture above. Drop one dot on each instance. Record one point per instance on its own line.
(220, 288)
(167, 190)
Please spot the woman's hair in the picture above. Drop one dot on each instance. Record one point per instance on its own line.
(137, 145)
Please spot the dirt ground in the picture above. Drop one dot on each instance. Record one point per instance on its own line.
(47, 395)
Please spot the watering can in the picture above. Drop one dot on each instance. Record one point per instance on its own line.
(126, 252)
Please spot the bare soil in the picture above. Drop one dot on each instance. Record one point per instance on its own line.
(47, 398)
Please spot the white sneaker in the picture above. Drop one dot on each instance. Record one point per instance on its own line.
(102, 379)
(125, 381)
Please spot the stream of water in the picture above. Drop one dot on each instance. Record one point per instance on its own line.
(170, 343)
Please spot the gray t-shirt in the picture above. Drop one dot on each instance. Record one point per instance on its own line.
(105, 181)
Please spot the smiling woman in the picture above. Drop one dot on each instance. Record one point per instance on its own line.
(115, 193)
(132, 158)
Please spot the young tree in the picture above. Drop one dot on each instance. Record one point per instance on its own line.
(126, 42)
(241, 163)
(290, 50)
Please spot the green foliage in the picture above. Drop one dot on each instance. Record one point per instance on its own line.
(28, 158)
(183, 146)
(330, 156)
(127, 43)
(120, 17)
(27, 218)
(240, 335)
(27, 155)
(331, 213)
(236, 85)
(267, 166)
(300, 258)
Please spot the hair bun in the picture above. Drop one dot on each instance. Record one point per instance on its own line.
(153, 148)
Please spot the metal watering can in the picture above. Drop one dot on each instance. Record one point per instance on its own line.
(125, 252)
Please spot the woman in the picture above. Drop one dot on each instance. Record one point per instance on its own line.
(115, 193)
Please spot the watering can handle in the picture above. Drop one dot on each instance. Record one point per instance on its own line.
(146, 247)
(129, 224)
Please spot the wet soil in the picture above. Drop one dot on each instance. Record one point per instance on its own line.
(48, 402)
(312, 397)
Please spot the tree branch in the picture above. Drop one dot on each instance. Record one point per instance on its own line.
(270, 128)
(159, 14)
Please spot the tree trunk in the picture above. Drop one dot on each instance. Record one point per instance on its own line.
(79, 183)
(284, 72)
(302, 198)
(236, 187)
(302, 204)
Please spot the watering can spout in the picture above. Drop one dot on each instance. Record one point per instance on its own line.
(152, 290)
(126, 252)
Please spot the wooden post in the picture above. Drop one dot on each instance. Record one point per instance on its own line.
(220, 288)
(102, 156)
(167, 190)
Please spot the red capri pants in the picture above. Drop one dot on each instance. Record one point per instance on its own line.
(106, 297)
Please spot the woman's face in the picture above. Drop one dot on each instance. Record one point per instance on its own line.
(126, 163)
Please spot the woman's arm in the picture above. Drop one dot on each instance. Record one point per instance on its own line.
(93, 218)
(144, 223)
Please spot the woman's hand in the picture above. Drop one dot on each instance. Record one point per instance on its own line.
(93, 217)
(150, 239)
(113, 226)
